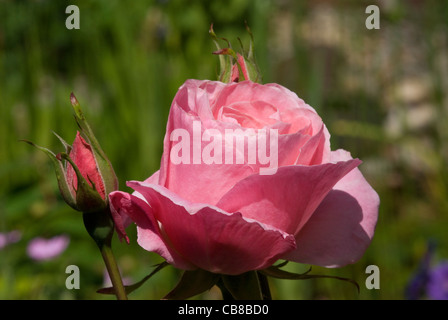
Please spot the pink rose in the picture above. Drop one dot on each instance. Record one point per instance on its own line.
(229, 207)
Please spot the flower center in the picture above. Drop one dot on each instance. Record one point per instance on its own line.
(250, 114)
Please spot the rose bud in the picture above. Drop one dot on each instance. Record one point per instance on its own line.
(234, 66)
(84, 181)
(84, 173)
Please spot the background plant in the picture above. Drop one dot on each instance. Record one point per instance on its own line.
(382, 94)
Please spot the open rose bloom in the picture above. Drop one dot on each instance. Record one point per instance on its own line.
(213, 206)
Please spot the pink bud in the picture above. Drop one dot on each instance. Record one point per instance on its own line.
(236, 67)
(82, 156)
(239, 66)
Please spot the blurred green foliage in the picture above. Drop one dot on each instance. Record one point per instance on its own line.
(382, 93)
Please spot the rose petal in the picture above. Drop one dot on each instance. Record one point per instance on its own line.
(253, 114)
(194, 179)
(342, 227)
(121, 219)
(196, 97)
(271, 93)
(119, 215)
(316, 150)
(286, 199)
(212, 239)
(149, 234)
(154, 178)
(206, 181)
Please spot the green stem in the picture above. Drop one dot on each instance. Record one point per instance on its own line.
(264, 286)
(226, 295)
(100, 227)
(245, 286)
(114, 273)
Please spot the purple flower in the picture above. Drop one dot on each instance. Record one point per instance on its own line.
(437, 286)
(107, 282)
(46, 249)
(416, 286)
(9, 237)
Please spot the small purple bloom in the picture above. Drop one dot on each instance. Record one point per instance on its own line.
(437, 286)
(46, 249)
(416, 286)
(107, 282)
(9, 238)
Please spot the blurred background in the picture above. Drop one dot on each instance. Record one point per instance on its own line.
(382, 94)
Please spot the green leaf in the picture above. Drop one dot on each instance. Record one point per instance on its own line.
(135, 286)
(276, 272)
(192, 283)
(245, 286)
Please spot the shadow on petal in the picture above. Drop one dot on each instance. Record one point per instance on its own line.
(334, 235)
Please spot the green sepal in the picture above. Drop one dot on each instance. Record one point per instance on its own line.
(64, 188)
(105, 168)
(87, 197)
(135, 286)
(192, 283)
(225, 62)
(249, 57)
(67, 146)
(99, 226)
(276, 272)
(228, 57)
(245, 286)
(252, 70)
(230, 52)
